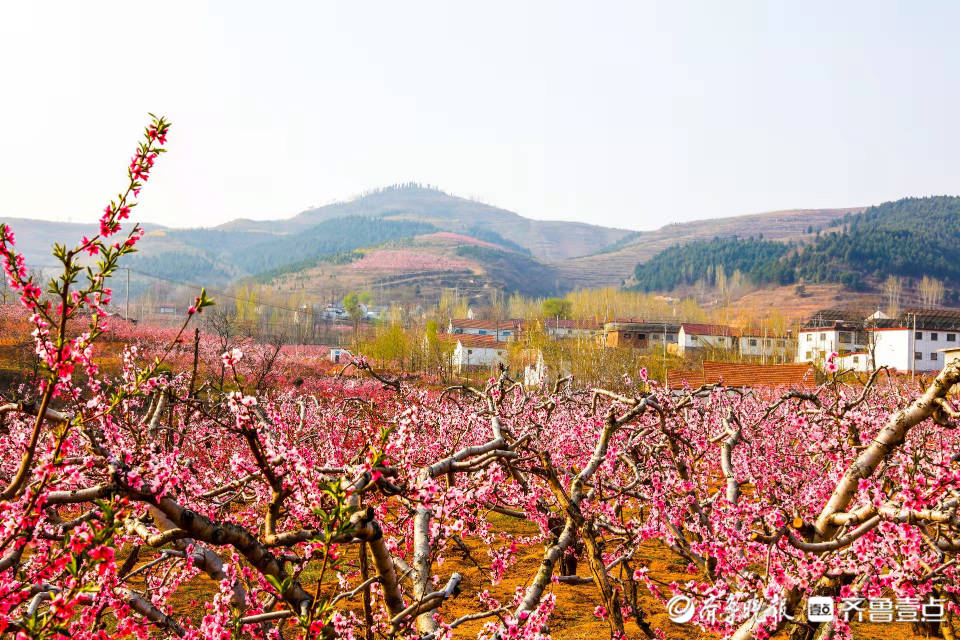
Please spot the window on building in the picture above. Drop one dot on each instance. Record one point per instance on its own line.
(951, 337)
(918, 335)
(628, 335)
(753, 342)
(808, 356)
(846, 337)
(823, 336)
(856, 359)
(469, 351)
(809, 337)
(917, 355)
(641, 336)
(933, 356)
(482, 332)
(768, 342)
(933, 336)
(781, 343)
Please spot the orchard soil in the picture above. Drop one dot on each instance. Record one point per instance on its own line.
(573, 617)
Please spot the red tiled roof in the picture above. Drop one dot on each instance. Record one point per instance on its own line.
(745, 375)
(676, 378)
(473, 341)
(492, 325)
(709, 329)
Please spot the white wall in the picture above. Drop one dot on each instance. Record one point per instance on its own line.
(699, 341)
(817, 344)
(475, 356)
(759, 346)
(928, 346)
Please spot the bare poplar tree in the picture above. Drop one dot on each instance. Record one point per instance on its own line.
(931, 292)
(892, 291)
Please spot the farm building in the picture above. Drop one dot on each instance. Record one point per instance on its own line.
(567, 328)
(639, 335)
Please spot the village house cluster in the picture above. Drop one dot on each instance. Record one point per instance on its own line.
(916, 340)
(483, 343)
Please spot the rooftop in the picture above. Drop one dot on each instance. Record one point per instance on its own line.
(693, 328)
(473, 341)
(734, 374)
(493, 325)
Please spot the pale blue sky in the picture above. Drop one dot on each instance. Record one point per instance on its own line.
(630, 114)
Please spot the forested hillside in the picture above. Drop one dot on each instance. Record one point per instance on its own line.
(912, 238)
(701, 261)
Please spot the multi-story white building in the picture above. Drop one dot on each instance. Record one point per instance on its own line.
(816, 343)
(913, 341)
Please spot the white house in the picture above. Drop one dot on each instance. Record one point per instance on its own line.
(477, 351)
(503, 330)
(766, 346)
(907, 349)
(375, 312)
(694, 336)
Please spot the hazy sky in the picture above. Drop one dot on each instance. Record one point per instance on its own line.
(630, 114)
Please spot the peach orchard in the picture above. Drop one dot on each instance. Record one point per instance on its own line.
(325, 508)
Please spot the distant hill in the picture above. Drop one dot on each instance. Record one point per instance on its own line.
(470, 246)
(545, 240)
(517, 256)
(36, 237)
(910, 238)
(615, 263)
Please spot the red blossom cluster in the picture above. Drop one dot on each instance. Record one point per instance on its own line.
(400, 260)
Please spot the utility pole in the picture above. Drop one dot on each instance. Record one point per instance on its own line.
(665, 379)
(913, 356)
(763, 346)
(127, 312)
